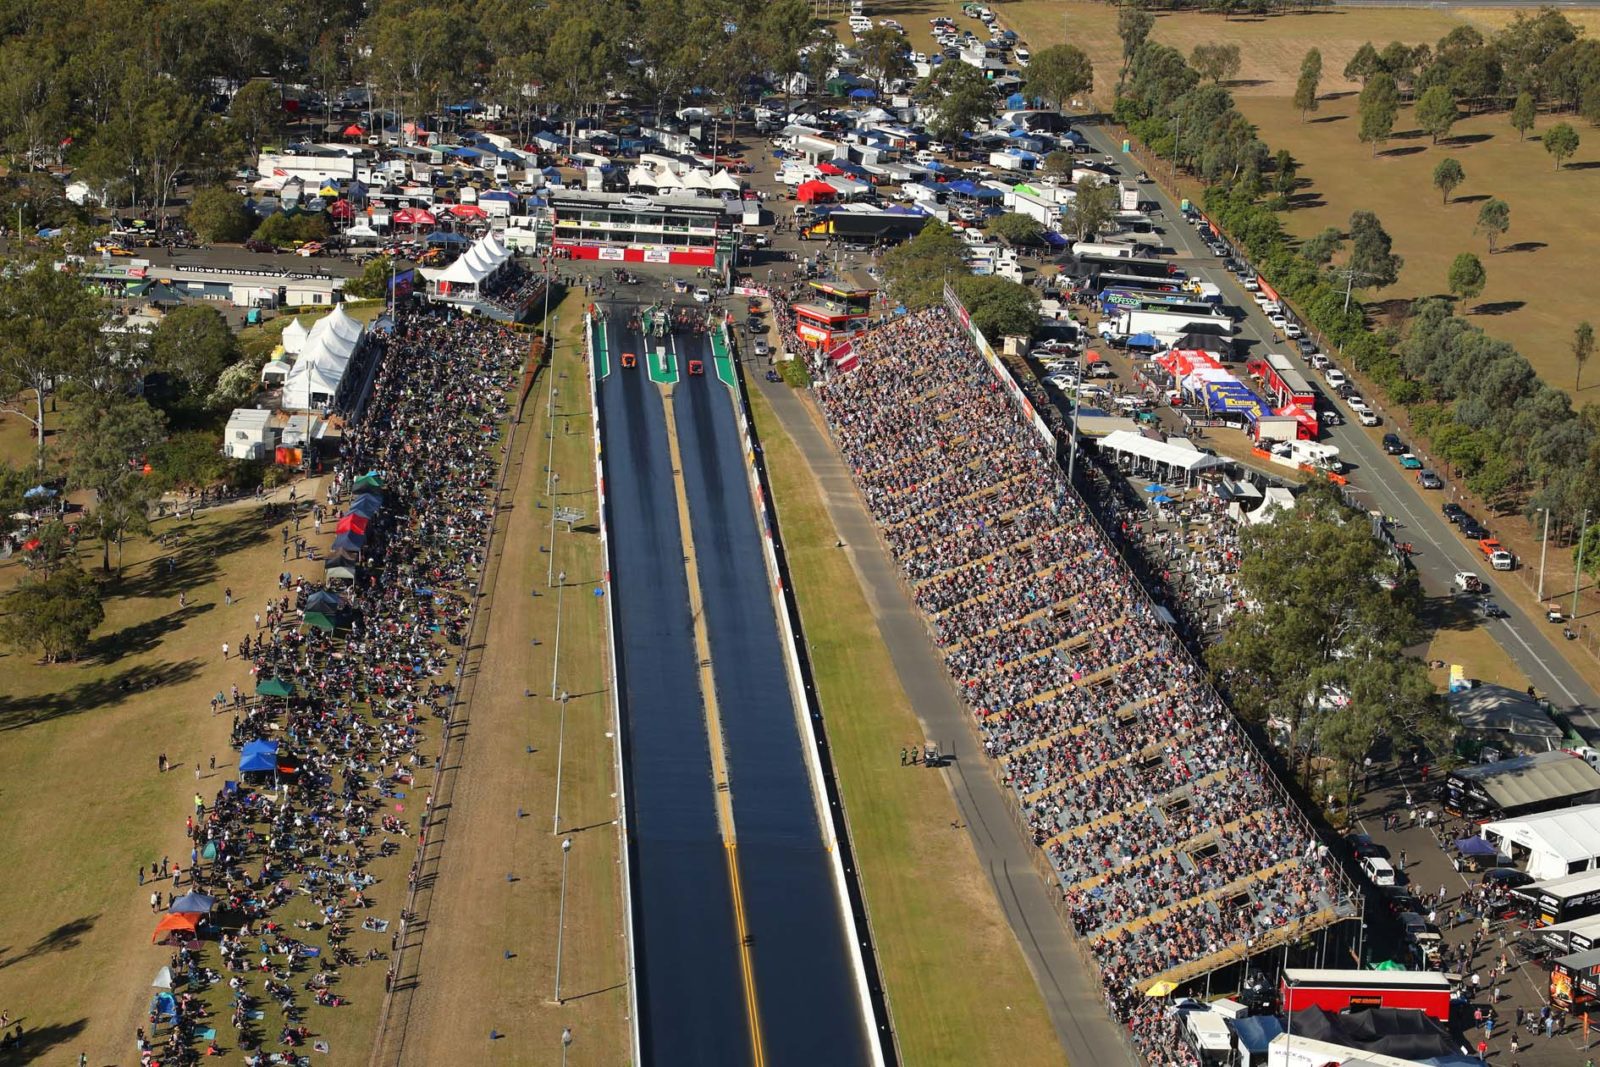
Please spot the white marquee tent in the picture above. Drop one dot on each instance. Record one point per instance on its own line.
(294, 337)
(314, 380)
(1557, 843)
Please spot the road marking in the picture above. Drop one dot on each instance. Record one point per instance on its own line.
(722, 787)
(1554, 677)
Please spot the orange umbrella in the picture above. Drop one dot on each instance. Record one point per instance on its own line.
(468, 211)
(352, 523)
(181, 921)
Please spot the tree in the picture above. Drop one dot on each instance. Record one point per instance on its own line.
(1467, 277)
(52, 615)
(110, 441)
(1059, 164)
(1378, 107)
(1134, 24)
(1216, 62)
(1371, 252)
(1093, 204)
(254, 115)
(1436, 112)
(1447, 176)
(999, 307)
(1582, 349)
(1494, 219)
(1315, 576)
(883, 53)
(49, 325)
(194, 345)
(218, 214)
(1305, 96)
(965, 102)
(235, 385)
(1523, 114)
(1561, 140)
(1363, 65)
(1015, 228)
(373, 282)
(1060, 73)
(1322, 247)
(1589, 102)
(915, 271)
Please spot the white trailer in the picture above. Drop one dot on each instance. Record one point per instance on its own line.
(1168, 326)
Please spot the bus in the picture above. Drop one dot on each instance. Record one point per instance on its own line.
(1559, 900)
(1352, 990)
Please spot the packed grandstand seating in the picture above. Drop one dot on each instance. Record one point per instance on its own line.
(1173, 844)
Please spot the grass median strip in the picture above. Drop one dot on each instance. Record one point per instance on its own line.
(958, 985)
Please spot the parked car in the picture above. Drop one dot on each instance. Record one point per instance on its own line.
(761, 348)
(1393, 445)
(1490, 610)
(1335, 377)
(1368, 417)
(1453, 512)
(1429, 480)
(1473, 530)
(702, 296)
(1410, 462)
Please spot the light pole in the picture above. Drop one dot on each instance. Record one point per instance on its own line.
(566, 1043)
(561, 928)
(555, 667)
(550, 569)
(561, 744)
(1544, 550)
(1577, 579)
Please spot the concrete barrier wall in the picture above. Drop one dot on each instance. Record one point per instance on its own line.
(624, 815)
(824, 788)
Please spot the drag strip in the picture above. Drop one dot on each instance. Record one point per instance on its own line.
(799, 938)
(691, 998)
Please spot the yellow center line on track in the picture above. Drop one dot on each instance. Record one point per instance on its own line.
(719, 756)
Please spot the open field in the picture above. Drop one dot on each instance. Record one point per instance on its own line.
(958, 986)
(468, 986)
(85, 806)
(1529, 297)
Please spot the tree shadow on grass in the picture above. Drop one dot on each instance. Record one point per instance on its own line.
(69, 935)
(194, 562)
(1525, 246)
(1407, 135)
(36, 1043)
(1465, 140)
(1396, 153)
(18, 712)
(144, 636)
(1449, 613)
(1323, 119)
(1587, 164)
(1499, 307)
(1304, 201)
(1473, 198)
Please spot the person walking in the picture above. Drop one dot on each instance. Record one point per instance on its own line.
(224, 650)
(155, 900)
(227, 596)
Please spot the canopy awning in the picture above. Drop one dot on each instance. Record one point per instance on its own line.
(170, 924)
(259, 756)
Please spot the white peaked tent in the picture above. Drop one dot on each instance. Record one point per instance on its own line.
(294, 337)
(314, 381)
(722, 181)
(475, 266)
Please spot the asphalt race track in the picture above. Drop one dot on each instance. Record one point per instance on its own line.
(810, 1011)
(691, 1001)
(692, 997)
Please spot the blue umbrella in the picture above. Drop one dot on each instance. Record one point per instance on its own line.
(1154, 488)
(862, 94)
(1161, 498)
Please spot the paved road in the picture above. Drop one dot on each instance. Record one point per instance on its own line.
(690, 993)
(1381, 484)
(805, 987)
(1071, 994)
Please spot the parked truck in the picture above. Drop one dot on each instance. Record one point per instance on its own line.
(1168, 326)
(1496, 554)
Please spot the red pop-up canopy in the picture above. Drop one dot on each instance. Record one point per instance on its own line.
(352, 523)
(813, 191)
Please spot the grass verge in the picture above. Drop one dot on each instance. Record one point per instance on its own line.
(958, 985)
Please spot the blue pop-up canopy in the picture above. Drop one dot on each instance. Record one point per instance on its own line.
(259, 756)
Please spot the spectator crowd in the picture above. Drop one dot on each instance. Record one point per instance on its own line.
(288, 854)
(1172, 842)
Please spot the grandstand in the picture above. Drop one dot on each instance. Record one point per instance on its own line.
(1175, 847)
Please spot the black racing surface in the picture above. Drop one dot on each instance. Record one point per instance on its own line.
(805, 988)
(690, 992)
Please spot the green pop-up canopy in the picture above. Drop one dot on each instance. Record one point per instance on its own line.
(274, 687)
(368, 481)
(320, 620)
(1388, 965)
